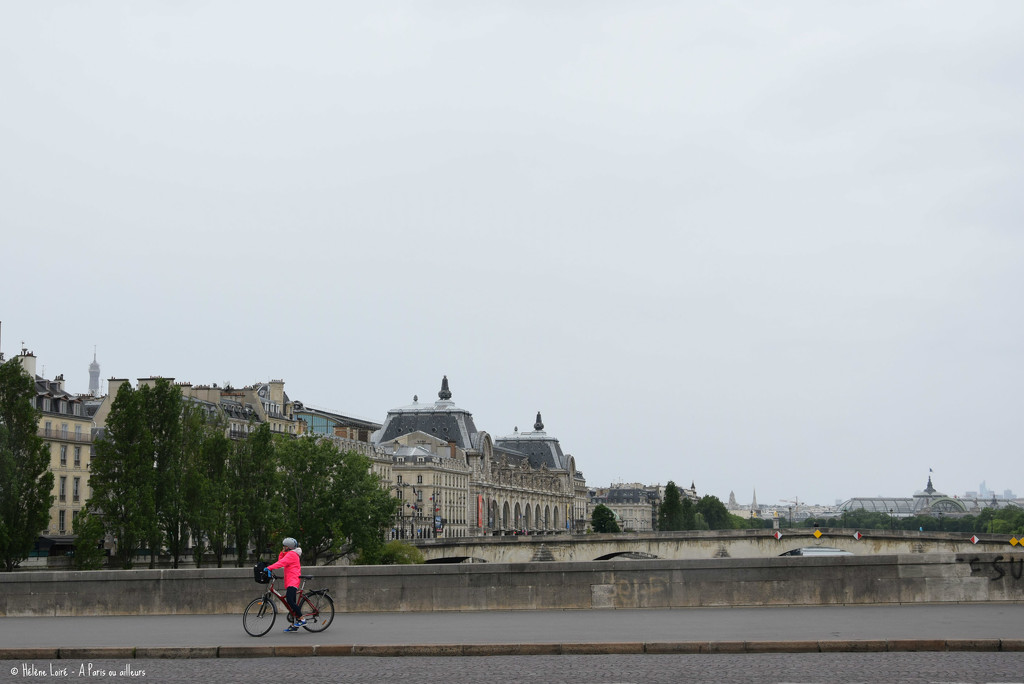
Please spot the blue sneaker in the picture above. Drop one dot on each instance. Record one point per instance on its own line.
(298, 623)
(291, 628)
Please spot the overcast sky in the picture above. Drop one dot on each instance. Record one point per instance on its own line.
(771, 246)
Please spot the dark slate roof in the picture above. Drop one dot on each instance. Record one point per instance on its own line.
(541, 449)
(511, 455)
(626, 495)
(442, 419)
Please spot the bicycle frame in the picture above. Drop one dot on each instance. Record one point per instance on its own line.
(284, 599)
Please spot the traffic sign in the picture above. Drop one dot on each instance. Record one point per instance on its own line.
(857, 536)
(777, 534)
(974, 539)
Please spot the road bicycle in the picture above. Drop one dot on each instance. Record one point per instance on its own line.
(317, 608)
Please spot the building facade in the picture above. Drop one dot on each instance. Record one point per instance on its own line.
(635, 505)
(68, 434)
(462, 482)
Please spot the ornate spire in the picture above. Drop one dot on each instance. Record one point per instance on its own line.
(929, 489)
(445, 394)
(539, 425)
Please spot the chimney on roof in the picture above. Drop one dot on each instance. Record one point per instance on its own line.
(113, 385)
(28, 362)
(277, 392)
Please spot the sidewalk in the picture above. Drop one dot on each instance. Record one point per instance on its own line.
(935, 627)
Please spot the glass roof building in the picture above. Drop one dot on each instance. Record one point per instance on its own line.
(922, 503)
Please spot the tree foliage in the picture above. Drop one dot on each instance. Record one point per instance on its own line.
(88, 530)
(122, 476)
(26, 483)
(602, 520)
(670, 512)
(366, 509)
(714, 512)
(392, 553)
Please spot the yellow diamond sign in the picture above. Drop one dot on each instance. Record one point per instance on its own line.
(817, 534)
(1014, 541)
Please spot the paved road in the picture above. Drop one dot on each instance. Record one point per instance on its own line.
(834, 668)
(946, 621)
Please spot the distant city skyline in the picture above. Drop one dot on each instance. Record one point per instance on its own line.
(982, 492)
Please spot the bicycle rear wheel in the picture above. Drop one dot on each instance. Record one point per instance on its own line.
(259, 615)
(317, 611)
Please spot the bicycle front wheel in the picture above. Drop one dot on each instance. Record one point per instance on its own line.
(317, 611)
(259, 615)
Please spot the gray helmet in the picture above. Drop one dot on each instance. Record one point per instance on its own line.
(289, 543)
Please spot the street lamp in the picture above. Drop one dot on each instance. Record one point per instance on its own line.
(401, 509)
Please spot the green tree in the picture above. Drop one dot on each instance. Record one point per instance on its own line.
(603, 520)
(253, 481)
(689, 514)
(208, 518)
(365, 508)
(670, 512)
(88, 530)
(122, 477)
(714, 513)
(216, 454)
(738, 522)
(308, 469)
(393, 553)
(26, 483)
(163, 408)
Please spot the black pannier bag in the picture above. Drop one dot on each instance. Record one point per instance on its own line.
(260, 572)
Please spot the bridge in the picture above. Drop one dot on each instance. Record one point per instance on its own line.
(693, 545)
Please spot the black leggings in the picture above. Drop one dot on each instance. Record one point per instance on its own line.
(290, 597)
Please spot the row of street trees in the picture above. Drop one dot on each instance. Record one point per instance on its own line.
(165, 475)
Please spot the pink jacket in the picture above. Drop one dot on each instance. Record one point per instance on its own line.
(289, 560)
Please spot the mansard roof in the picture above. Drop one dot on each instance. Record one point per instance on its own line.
(540, 448)
(442, 419)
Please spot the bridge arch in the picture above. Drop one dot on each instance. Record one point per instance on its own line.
(632, 555)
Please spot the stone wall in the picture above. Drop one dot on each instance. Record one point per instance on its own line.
(911, 578)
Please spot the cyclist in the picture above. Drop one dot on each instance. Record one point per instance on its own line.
(289, 560)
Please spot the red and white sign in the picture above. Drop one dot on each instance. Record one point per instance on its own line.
(777, 534)
(974, 539)
(858, 536)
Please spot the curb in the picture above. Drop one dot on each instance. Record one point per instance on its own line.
(456, 650)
